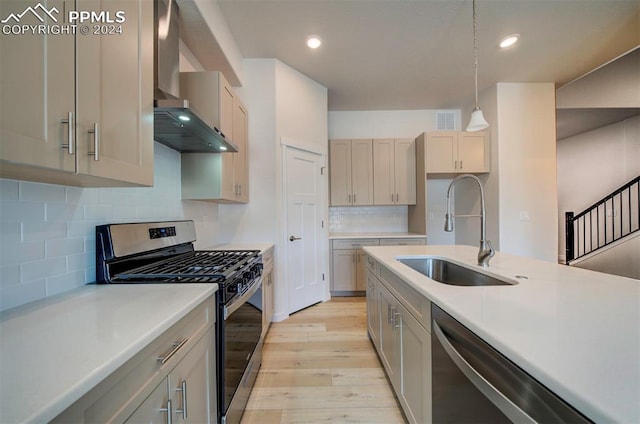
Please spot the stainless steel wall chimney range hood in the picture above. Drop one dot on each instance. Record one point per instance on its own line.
(176, 124)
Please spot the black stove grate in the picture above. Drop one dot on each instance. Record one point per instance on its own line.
(202, 265)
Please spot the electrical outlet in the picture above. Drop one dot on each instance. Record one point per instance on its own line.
(524, 215)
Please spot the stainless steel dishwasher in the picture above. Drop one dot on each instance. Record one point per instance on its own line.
(474, 383)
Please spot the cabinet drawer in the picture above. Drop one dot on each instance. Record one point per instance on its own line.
(415, 302)
(117, 397)
(355, 243)
(402, 242)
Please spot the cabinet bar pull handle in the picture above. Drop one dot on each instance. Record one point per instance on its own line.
(392, 317)
(397, 197)
(354, 198)
(391, 197)
(96, 137)
(174, 348)
(183, 389)
(460, 164)
(168, 411)
(389, 313)
(69, 122)
(395, 323)
(349, 199)
(455, 164)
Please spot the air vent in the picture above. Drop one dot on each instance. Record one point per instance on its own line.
(445, 121)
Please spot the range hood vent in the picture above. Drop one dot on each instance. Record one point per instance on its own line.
(175, 123)
(179, 127)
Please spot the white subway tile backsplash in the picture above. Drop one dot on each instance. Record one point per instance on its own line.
(368, 219)
(43, 230)
(42, 269)
(17, 211)
(100, 213)
(42, 192)
(64, 282)
(9, 275)
(17, 253)
(19, 294)
(63, 212)
(8, 190)
(47, 232)
(63, 247)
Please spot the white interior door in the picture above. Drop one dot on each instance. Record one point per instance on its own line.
(303, 191)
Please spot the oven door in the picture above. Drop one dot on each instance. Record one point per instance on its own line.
(241, 353)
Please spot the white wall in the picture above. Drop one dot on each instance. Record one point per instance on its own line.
(593, 164)
(523, 173)
(282, 103)
(47, 232)
(389, 124)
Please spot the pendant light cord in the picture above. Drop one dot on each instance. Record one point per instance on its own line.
(475, 51)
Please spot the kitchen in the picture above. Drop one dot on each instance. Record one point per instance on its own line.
(52, 226)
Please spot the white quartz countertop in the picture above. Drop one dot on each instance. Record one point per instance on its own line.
(576, 331)
(55, 350)
(373, 235)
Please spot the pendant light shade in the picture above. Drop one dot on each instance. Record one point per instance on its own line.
(477, 121)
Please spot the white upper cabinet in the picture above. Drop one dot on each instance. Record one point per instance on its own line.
(457, 152)
(37, 86)
(78, 109)
(394, 171)
(216, 177)
(351, 172)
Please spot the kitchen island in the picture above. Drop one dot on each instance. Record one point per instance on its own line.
(56, 350)
(575, 331)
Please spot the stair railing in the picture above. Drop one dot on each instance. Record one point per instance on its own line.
(615, 216)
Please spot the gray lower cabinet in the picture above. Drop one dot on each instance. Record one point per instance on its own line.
(399, 329)
(173, 374)
(348, 262)
(184, 393)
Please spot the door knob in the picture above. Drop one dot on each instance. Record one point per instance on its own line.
(293, 238)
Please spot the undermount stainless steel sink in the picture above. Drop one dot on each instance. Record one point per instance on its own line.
(447, 272)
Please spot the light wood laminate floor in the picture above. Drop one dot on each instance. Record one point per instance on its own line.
(319, 366)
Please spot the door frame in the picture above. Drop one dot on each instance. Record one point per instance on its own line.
(282, 297)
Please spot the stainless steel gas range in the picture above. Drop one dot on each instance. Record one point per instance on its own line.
(163, 253)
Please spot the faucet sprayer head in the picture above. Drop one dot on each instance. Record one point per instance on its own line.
(448, 222)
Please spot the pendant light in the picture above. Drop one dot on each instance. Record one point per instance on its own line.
(477, 121)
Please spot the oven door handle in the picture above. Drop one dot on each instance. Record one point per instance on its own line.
(229, 309)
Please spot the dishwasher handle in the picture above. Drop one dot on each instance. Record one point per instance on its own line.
(503, 403)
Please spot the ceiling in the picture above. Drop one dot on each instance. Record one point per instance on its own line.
(418, 54)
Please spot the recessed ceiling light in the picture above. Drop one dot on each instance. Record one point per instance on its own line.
(313, 41)
(223, 148)
(509, 40)
(184, 118)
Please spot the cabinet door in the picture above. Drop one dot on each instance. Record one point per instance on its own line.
(344, 270)
(240, 160)
(441, 151)
(362, 172)
(151, 410)
(373, 309)
(115, 95)
(389, 336)
(383, 172)
(404, 158)
(226, 107)
(361, 270)
(415, 396)
(192, 386)
(472, 155)
(340, 172)
(37, 93)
